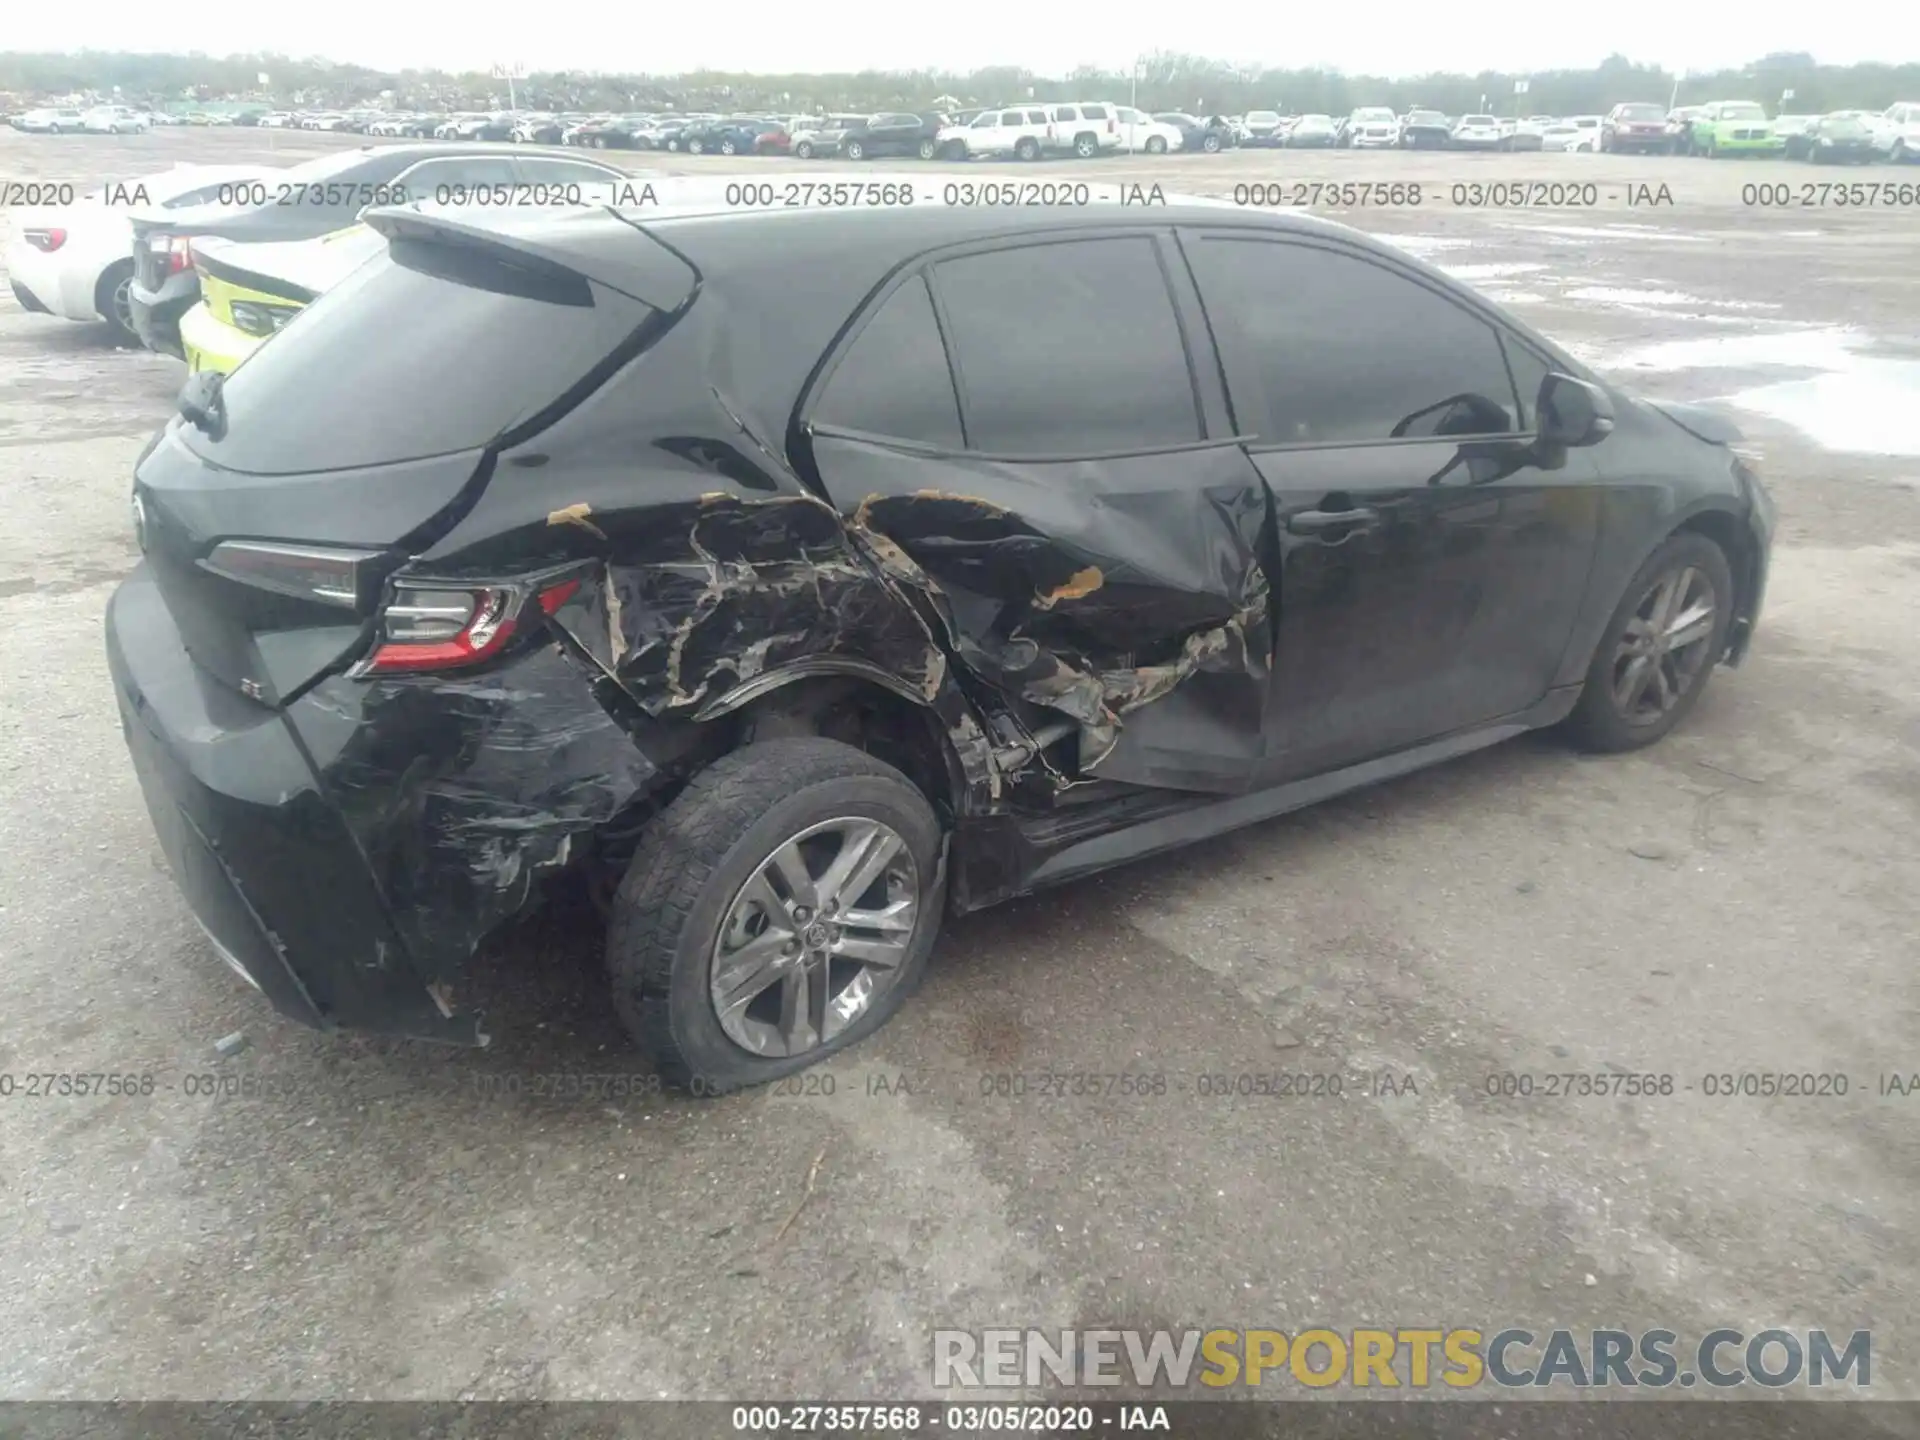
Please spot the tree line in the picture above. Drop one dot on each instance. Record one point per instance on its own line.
(1161, 81)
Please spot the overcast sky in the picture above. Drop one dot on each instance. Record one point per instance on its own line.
(1052, 38)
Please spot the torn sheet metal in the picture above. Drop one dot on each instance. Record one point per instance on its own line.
(1104, 591)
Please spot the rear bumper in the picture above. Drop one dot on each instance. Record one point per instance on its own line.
(350, 852)
(50, 284)
(157, 314)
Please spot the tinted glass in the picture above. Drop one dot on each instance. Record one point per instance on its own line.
(539, 170)
(1640, 112)
(423, 350)
(1347, 350)
(894, 380)
(423, 180)
(1065, 112)
(1010, 117)
(1093, 112)
(1036, 117)
(1068, 349)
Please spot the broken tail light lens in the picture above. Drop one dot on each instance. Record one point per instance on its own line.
(179, 254)
(432, 626)
(48, 240)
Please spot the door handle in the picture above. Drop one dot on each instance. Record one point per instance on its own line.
(1313, 522)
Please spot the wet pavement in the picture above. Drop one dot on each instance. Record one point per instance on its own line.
(385, 1220)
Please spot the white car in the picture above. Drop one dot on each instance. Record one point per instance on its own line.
(1567, 138)
(1313, 132)
(276, 120)
(1262, 127)
(76, 261)
(49, 122)
(1141, 133)
(1021, 132)
(1477, 132)
(1083, 128)
(1896, 131)
(1372, 127)
(113, 120)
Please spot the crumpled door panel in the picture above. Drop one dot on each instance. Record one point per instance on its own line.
(1126, 594)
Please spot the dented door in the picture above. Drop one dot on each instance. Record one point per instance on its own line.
(1050, 493)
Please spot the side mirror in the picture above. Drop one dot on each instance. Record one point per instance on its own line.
(1572, 412)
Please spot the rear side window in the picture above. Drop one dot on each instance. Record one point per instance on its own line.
(1068, 349)
(1066, 112)
(894, 379)
(1346, 351)
(1094, 112)
(1036, 117)
(1010, 117)
(424, 350)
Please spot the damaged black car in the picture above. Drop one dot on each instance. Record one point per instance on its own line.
(1008, 548)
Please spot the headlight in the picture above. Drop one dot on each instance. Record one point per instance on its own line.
(258, 319)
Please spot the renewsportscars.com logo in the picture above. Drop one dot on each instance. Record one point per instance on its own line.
(1512, 1358)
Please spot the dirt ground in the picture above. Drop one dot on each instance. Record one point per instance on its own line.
(387, 1220)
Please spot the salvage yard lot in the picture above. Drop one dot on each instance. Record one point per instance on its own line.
(361, 1218)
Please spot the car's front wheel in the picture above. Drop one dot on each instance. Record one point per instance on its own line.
(927, 149)
(779, 910)
(855, 150)
(1659, 649)
(1211, 144)
(804, 150)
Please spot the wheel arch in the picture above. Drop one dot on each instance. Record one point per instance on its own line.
(1729, 530)
(846, 698)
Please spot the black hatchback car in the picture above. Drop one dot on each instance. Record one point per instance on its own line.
(1010, 547)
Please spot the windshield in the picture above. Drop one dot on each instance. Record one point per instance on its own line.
(1641, 112)
(1262, 117)
(1742, 112)
(1425, 117)
(1377, 112)
(1477, 120)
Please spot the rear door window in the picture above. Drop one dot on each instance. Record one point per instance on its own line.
(893, 380)
(424, 350)
(448, 178)
(1070, 348)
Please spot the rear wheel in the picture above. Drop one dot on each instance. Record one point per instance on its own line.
(1156, 145)
(1659, 649)
(928, 149)
(727, 147)
(1085, 146)
(111, 299)
(855, 150)
(779, 910)
(1211, 144)
(804, 150)
(696, 147)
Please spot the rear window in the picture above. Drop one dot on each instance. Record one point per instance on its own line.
(424, 350)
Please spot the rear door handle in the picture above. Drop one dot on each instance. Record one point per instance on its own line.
(1312, 522)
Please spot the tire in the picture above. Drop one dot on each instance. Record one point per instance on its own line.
(1599, 721)
(1156, 145)
(727, 147)
(109, 298)
(854, 150)
(804, 150)
(599, 142)
(1026, 148)
(1086, 146)
(1898, 155)
(1210, 144)
(686, 892)
(696, 147)
(927, 150)
(956, 150)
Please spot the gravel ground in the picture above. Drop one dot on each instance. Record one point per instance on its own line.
(1743, 898)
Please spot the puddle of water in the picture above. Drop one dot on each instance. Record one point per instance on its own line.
(1489, 272)
(1514, 297)
(1825, 349)
(1612, 232)
(1870, 408)
(1634, 298)
(1424, 244)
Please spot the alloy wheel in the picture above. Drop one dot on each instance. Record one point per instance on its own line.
(1663, 650)
(819, 931)
(122, 302)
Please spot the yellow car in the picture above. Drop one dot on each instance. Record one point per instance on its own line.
(249, 292)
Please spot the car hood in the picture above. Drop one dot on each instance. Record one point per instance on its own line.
(1699, 421)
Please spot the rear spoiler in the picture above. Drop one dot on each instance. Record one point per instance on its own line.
(594, 244)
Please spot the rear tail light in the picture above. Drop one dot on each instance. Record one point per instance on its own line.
(255, 318)
(432, 625)
(346, 578)
(47, 240)
(179, 253)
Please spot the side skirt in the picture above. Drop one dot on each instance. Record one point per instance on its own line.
(1207, 818)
